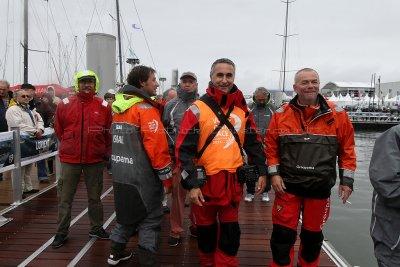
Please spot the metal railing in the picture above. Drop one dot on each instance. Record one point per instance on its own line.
(18, 163)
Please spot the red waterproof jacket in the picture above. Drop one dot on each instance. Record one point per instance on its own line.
(305, 152)
(222, 187)
(83, 128)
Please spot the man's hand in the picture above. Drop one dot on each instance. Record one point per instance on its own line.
(196, 197)
(277, 184)
(262, 181)
(344, 192)
(39, 134)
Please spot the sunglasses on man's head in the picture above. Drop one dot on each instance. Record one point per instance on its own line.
(25, 96)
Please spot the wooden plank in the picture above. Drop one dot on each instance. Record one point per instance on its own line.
(35, 222)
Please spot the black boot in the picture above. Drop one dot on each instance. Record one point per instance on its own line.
(118, 253)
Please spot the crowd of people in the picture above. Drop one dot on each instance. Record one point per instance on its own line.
(203, 150)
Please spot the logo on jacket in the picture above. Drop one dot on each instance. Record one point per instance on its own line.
(153, 126)
(305, 167)
(224, 135)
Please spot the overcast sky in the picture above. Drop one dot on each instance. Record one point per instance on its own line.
(344, 40)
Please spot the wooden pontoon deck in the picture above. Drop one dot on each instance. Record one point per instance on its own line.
(25, 241)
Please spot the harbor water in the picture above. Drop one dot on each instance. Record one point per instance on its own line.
(348, 226)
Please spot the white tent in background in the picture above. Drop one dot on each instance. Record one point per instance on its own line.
(333, 98)
(349, 101)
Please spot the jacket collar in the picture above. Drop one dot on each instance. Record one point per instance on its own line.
(233, 97)
(121, 103)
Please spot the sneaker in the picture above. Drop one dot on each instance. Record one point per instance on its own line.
(59, 240)
(193, 231)
(116, 257)
(101, 234)
(249, 198)
(265, 197)
(174, 241)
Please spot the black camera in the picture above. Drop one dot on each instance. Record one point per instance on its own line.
(248, 173)
(201, 175)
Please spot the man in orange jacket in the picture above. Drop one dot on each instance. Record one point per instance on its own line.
(303, 142)
(228, 131)
(141, 167)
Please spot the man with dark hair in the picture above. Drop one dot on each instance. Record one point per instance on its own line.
(305, 140)
(82, 124)
(141, 167)
(172, 117)
(33, 102)
(209, 149)
(140, 74)
(262, 110)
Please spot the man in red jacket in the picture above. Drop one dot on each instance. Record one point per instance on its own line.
(304, 141)
(82, 124)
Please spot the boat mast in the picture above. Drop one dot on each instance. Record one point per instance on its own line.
(25, 45)
(119, 44)
(284, 49)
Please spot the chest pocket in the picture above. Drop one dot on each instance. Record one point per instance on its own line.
(308, 155)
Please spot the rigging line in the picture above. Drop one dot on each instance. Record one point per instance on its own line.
(48, 45)
(98, 16)
(144, 34)
(84, 41)
(67, 57)
(50, 51)
(13, 47)
(129, 38)
(6, 47)
(52, 19)
(55, 69)
(66, 15)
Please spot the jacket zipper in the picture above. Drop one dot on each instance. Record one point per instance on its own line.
(82, 132)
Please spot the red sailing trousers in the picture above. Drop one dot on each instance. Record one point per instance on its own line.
(286, 212)
(207, 215)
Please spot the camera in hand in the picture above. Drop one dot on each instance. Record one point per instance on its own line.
(247, 173)
(201, 175)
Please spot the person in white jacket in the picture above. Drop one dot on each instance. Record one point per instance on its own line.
(30, 123)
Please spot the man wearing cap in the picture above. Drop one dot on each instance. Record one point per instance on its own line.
(213, 134)
(172, 117)
(82, 125)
